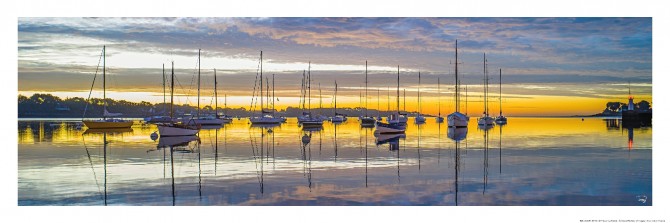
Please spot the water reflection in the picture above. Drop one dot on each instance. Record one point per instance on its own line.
(544, 166)
(457, 134)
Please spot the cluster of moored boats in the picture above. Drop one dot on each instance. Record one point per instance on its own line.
(395, 123)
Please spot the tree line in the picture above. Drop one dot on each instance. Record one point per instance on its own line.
(50, 106)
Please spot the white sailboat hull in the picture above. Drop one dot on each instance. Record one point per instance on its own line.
(165, 130)
(457, 134)
(265, 120)
(457, 120)
(387, 130)
(486, 120)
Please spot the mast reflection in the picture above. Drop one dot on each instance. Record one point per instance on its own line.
(179, 144)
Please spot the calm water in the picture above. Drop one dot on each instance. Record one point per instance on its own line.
(530, 161)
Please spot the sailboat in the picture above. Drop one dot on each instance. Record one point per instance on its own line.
(485, 120)
(366, 120)
(311, 121)
(501, 119)
(209, 119)
(338, 117)
(265, 117)
(457, 119)
(106, 122)
(393, 124)
(419, 119)
(439, 118)
(174, 128)
(160, 118)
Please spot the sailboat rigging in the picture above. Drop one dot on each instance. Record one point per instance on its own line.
(393, 124)
(366, 120)
(501, 119)
(485, 120)
(213, 120)
(266, 117)
(338, 117)
(173, 128)
(160, 118)
(311, 121)
(106, 122)
(457, 119)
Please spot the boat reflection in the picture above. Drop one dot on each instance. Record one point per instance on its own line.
(265, 125)
(306, 156)
(115, 130)
(312, 128)
(180, 144)
(211, 126)
(177, 141)
(457, 134)
(486, 159)
(393, 140)
(457, 169)
(104, 152)
(485, 127)
(500, 136)
(260, 154)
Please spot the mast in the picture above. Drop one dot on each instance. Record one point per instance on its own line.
(418, 95)
(366, 88)
(439, 114)
(309, 88)
(398, 92)
(457, 96)
(172, 91)
(486, 88)
(273, 95)
(216, 97)
(261, 83)
(378, 111)
(164, 104)
(335, 97)
(500, 97)
(267, 91)
(302, 91)
(320, 99)
(198, 83)
(104, 79)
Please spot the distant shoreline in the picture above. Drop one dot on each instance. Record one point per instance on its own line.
(24, 118)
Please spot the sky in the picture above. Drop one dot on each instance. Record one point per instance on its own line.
(549, 66)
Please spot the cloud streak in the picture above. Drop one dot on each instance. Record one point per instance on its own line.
(58, 54)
